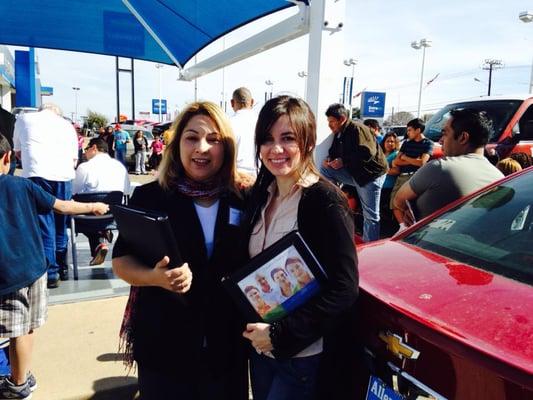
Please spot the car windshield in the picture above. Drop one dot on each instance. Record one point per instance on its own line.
(492, 231)
(499, 112)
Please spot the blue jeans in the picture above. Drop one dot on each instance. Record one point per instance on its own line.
(120, 155)
(369, 196)
(292, 379)
(54, 227)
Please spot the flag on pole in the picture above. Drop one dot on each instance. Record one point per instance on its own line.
(432, 79)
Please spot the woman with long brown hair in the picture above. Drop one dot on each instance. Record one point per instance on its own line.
(301, 355)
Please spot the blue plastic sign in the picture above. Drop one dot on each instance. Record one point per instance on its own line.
(379, 390)
(372, 104)
(47, 91)
(155, 106)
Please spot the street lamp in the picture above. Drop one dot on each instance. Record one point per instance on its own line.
(526, 16)
(269, 83)
(417, 45)
(351, 62)
(303, 74)
(76, 90)
(158, 66)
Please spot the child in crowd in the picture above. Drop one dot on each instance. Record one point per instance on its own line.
(23, 296)
(157, 152)
(508, 166)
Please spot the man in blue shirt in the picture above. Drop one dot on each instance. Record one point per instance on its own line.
(23, 278)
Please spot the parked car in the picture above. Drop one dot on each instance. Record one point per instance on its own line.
(512, 120)
(399, 130)
(159, 129)
(130, 150)
(446, 307)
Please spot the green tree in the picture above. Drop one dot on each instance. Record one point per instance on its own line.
(399, 118)
(95, 120)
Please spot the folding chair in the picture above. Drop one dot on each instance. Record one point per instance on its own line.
(92, 223)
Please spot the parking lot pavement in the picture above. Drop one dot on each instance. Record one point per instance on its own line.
(76, 353)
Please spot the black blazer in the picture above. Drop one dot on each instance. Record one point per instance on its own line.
(169, 329)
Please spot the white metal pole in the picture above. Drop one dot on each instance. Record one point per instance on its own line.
(195, 84)
(421, 81)
(159, 68)
(350, 92)
(531, 79)
(324, 65)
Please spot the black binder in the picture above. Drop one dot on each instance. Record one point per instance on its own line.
(148, 233)
(290, 249)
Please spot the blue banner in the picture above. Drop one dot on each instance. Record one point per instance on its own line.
(372, 104)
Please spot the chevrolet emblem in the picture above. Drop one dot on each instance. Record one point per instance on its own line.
(397, 347)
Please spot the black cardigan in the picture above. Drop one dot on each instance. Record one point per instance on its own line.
(169, 329)
(326, 224)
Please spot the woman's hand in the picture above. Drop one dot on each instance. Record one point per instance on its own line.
(259, 335)
(176, 280)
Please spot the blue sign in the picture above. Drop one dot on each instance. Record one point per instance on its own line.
(155, 106)
(47, 91)
(379, 390)
(372, 104)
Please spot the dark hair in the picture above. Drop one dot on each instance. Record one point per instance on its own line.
(302, 121)
(250, 288)
(242, 96)
(476, 123)
(337, 111)
(5, 147)
(273, 272)
(385, 137)
(522, 158)
(417, 123)
(371, 123)
(101, 144)
(138, 134)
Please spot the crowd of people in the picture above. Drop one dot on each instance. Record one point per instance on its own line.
(231, 188)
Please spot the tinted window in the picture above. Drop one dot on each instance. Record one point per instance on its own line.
(493, 231)
(499, 111)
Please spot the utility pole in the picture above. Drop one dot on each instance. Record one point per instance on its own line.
(491, 65)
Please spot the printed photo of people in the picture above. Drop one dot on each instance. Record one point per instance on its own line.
(279, 286)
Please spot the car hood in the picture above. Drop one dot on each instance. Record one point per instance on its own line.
(488, 312)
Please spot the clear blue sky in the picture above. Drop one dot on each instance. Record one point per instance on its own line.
(377, 34)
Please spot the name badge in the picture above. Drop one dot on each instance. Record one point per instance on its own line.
(235, 216)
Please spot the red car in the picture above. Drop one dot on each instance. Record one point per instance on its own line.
(446, 307)
(512, 123)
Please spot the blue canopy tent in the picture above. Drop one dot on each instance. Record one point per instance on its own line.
(164, 31)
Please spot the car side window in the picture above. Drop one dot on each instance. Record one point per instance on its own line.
(493, 231)
(526, 124)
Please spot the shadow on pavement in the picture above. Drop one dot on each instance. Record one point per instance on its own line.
(114, 388)
(111, 357)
